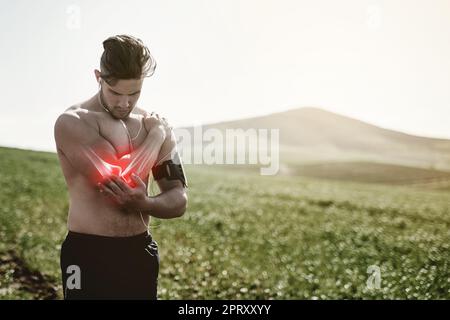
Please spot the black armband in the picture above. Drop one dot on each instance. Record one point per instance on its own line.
(171, 171)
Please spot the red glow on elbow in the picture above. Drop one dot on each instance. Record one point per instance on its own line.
(113, 167)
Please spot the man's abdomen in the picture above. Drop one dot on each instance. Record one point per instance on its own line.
(93, 214)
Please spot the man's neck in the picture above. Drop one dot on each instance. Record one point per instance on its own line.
(94, 104)
(98, 105)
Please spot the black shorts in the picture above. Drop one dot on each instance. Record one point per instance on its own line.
(99, 267)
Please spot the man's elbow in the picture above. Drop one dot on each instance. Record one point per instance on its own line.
(182, 205)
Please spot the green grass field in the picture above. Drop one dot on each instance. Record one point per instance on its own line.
(245, 236)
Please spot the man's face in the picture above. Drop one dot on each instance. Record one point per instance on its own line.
(121, 98)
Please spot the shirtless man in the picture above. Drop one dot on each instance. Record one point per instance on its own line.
(107, 148)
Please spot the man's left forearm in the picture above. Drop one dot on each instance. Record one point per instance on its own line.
(167, 205)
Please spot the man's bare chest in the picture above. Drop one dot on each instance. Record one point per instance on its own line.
(125, 135)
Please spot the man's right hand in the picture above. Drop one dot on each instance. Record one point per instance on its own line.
(129, 198)
(152, 121)
(145, 157)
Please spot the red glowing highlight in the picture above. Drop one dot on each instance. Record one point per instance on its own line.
(139, 163)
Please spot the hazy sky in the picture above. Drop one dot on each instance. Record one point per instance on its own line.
(384, 62)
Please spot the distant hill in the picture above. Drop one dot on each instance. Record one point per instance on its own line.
(313, 135)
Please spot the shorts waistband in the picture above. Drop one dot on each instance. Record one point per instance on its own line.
(146, 235)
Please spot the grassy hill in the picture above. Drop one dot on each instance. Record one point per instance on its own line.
(244, 236)
(373, 172)
(365, 172)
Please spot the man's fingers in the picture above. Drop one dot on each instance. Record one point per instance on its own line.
(158, 120)
(113, 186)
(106, 191)
(121, 184)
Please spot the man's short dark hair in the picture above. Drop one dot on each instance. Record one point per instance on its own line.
(125, 57)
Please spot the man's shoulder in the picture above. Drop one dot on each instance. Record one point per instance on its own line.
(70, 116)
(151, 119)
(145, 113)
(75, 118)
(141, 112)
